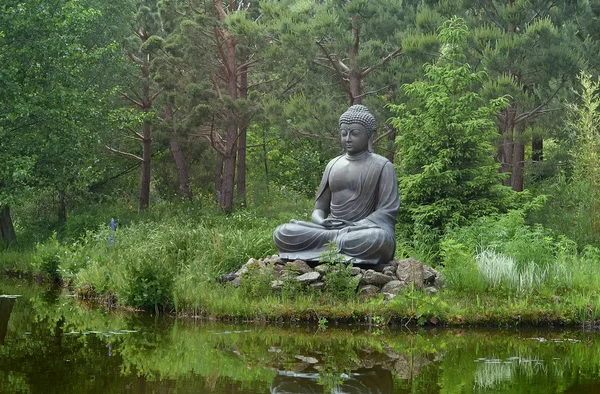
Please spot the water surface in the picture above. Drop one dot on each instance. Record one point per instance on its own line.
(51, 344)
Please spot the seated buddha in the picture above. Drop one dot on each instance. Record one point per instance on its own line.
(357, 202)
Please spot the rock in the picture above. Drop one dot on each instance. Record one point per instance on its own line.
(378, 279)
(394, 287)
(308, 277)
(322, 268)
(431, 290)
(388, 296)
(276, 285)
(355, 271)
(251, 264)
(226, 277)
(308, 360)
(299, 266)
(236, 281)
(273, 260)
(390, 271)
(368, 290)
(429, 275)
(317, 285)
(439, 281)
(278, 270)
(410, 271)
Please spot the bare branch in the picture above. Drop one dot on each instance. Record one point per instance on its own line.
(538, 110)
(335, 67)
(156, 95)
(247, 64)
(382, 136)
(135, 102)
(372, 91)
(262, 83)
(327, 66)
(311, 135)
(126, 154)
(137, 135)
(383, 62)
(133, 58)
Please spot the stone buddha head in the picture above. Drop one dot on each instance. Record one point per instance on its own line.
(357, 127)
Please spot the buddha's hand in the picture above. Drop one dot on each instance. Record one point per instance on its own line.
(332, 223)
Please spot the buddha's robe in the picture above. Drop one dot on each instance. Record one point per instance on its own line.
(362, 190)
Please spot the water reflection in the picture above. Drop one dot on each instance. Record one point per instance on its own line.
(51, 345)
(361, 381)
(6, 306)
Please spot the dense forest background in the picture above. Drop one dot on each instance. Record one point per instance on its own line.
(109, 110)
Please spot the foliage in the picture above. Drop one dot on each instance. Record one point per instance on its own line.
(339, 282)
(587, 159)
(48, 257)
(504, 254)
(447, 173)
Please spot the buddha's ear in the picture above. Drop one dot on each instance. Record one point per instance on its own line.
(370, 146)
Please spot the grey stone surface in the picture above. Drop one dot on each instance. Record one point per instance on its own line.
(394, 287)
(410, 271)
(368, 290)
(308, 277)
(431, 290)
(378, 279)
(299, 266)
(355, 271)
(322, 268)
(276, 284)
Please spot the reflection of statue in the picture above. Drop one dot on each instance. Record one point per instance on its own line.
(360, 381)
(357, 202)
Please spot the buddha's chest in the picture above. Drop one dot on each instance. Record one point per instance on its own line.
(346, 177)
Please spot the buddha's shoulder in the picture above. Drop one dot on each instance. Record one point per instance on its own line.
(379, 159)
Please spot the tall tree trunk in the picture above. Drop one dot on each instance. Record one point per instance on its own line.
(266, 161)
(518, 165)
(511, 153)
(241, 159)
(537, 149)
(219, 175)
(62, 206)
(147, 135)
(228, 176)
(228, 185)
(146, 159)
(178, 158)
(7, 230)
(182, 170)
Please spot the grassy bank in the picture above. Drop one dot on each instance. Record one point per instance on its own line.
(498, 271)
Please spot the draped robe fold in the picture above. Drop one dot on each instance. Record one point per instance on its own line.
(373, 208)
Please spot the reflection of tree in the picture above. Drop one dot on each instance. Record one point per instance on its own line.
(6, 305)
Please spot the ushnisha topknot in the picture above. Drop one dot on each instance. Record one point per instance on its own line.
(358, 113)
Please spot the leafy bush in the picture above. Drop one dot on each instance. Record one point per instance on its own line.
(447, 174)
(48, 256)
(339, 282)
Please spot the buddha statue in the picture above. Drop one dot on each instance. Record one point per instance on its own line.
(357, 202)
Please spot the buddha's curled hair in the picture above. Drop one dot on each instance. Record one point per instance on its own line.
(359, 114)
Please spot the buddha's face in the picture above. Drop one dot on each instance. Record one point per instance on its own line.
(355, 139)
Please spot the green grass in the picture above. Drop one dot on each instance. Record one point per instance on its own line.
(498, 272)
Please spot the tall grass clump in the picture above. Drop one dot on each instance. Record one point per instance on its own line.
(147, 262)
(501, 252)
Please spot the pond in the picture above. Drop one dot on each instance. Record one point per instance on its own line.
(49, 343)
